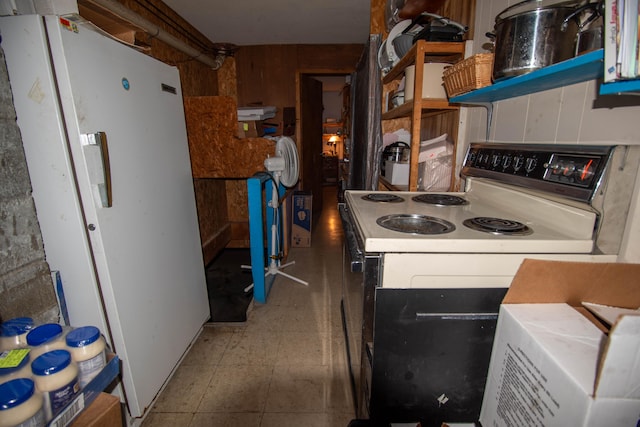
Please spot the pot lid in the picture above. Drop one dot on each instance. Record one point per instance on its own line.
(532, 5)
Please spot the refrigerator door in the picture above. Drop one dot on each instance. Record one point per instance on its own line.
(144, 244)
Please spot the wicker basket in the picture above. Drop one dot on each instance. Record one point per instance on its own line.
(468, 74)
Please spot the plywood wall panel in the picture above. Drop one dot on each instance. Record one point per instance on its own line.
(211, 202)
(377, 21)
(227, 79)
(215, 150)
(238, 208)
(237, 158)
(389, 126)
(237, 199)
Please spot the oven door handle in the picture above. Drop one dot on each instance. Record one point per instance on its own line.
(351, 241)
(457, 316)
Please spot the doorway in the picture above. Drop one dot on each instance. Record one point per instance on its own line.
(322, 103)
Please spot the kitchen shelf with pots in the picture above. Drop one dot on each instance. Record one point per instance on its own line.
(420, 109)
(588, 66)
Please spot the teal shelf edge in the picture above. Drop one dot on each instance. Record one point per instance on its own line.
(585, 67)
(620, 87)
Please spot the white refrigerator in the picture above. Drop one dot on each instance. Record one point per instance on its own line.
(106, 146)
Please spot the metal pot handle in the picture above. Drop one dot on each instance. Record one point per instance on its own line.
(594, 15)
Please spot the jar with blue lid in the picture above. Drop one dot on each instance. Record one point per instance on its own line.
(14, 364)
(21, 404)
(45, 338)
(87, 347)
(56, 377)
(13, 333)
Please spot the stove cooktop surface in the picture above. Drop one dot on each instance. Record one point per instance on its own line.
(532, 225)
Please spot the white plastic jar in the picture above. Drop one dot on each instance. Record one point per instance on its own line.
(45, 338)
(87, 347)
(21, 404)
(13, 333)
(56, 377)
(14, 364)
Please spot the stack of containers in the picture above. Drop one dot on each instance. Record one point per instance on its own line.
(44, 367)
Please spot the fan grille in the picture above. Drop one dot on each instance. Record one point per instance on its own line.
(286, 148)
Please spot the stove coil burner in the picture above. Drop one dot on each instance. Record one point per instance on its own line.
(441, 199)
(415, 224)
(498, 226)
(382, 198)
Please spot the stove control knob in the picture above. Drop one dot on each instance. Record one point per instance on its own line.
(495, 160)
(518, 161)
(506, 162)
(530, 164)
(569, 169)
(473, 157)
(584, 173)
(555, 168)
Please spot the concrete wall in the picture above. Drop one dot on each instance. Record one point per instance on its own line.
(26, 287)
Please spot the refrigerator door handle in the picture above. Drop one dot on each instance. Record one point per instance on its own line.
(98, 157)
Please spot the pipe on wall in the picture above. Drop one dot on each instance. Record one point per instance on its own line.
(157, 32)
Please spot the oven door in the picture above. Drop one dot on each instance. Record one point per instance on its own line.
(359, 280)
(431, 354)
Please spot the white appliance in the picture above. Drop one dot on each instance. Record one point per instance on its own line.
(424, 273)
(570, 204)
(105, 140)
(461, 256)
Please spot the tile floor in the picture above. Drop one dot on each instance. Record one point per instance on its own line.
(285, 366)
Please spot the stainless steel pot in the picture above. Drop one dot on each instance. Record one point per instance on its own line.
(394, 152)
(590, 35)
(533, 34)
(590, 39)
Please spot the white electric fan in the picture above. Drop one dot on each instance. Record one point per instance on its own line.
(283, 168)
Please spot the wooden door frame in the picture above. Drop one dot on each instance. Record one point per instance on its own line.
(312, 72)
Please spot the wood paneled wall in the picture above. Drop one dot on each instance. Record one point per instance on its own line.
(267, 74)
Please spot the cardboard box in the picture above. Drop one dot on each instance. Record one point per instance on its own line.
(301, 221)
(554, 363)
(250, 129)
(104, 411)
(396, 173)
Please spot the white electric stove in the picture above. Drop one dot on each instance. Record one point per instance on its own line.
(520, 201)
(487, 218)
(424, 273)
